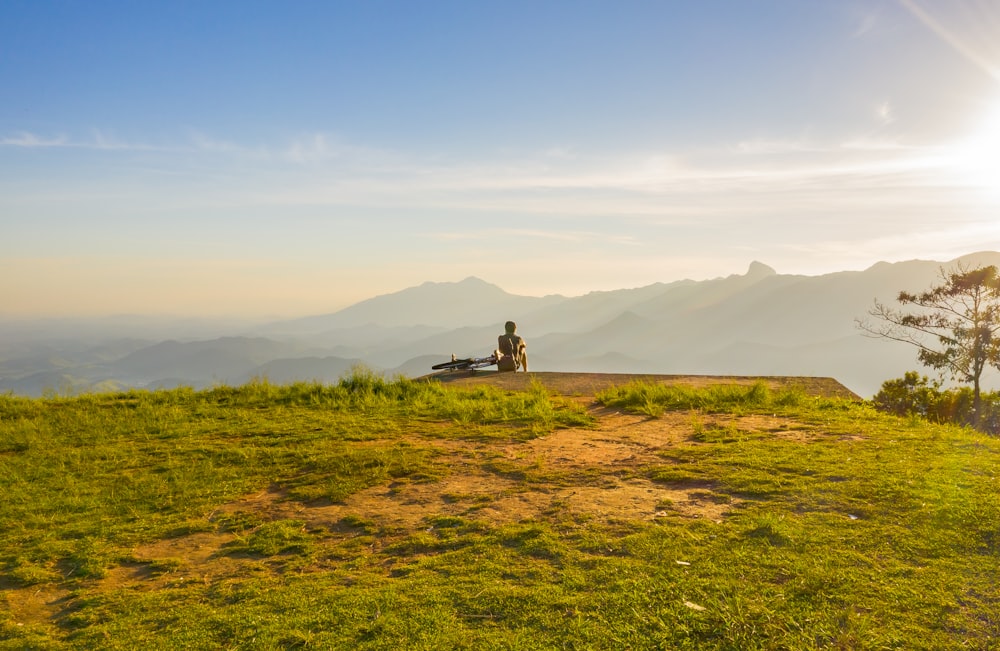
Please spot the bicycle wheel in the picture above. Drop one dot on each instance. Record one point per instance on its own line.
(456, 365)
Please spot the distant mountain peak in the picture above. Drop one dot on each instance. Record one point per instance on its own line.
(759, 270)
(470, 282)
(469, 286)
(474, 281)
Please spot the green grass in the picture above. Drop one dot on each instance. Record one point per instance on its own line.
(864, 531)
(654, 399)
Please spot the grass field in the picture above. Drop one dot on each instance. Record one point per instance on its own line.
(379, 514)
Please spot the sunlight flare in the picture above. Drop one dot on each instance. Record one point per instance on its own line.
(977, 157)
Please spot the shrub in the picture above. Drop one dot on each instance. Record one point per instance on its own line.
(908, 395)
(915, 395)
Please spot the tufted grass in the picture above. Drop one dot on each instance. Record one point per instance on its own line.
(862, 531)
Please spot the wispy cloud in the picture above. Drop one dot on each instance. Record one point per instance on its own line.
(521, 234)
(334, 167)
(107, 142)
(99, 141)
(676, 187)
(25, 139)
(315, 148)
(885, 113)
(204, 143)
(867, 23)
(102, 140)
(765, 146)
(936, 242)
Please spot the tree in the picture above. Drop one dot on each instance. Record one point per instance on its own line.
(955, 326)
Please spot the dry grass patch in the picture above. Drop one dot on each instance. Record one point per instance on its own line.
(607, 455)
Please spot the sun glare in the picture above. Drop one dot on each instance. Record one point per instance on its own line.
(977, 158)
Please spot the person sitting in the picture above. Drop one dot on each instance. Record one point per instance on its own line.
(511, 352)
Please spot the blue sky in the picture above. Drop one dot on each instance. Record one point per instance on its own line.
(291, 158)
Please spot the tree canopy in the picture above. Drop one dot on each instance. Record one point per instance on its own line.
(955, 325)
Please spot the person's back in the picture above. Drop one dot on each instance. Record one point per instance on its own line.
(511, 350)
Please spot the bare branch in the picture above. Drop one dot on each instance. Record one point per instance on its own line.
(956, 326)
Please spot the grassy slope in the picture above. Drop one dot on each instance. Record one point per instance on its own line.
(861, 531)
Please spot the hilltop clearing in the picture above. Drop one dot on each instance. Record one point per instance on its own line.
(518, 510)
(587, 385)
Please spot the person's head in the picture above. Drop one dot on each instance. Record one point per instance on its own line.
(510, 327)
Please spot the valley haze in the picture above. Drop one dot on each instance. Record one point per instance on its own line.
(757, 323)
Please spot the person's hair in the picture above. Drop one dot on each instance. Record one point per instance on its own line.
(510, 327)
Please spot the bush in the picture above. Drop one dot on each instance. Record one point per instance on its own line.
(908, 395)
(915, 395)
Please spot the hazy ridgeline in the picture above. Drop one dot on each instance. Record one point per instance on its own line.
(759, 323)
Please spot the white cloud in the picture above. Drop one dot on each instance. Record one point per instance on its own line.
(98, 140)
(203, 143)
(25, 139)
(330, 172)
(867, 22)
(765, 146)
(885, 113)
(311, 149)
(522, 234)
(933, 242)
(778, 182)
(103, 141)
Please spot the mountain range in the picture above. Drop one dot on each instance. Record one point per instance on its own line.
(757, 323)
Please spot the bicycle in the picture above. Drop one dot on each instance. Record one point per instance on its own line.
(468, 364)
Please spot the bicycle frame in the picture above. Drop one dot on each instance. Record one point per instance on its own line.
(468, 364)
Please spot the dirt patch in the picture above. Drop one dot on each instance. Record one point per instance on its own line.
(194, 548)
(401, 510)
(631, 500)
(173, 561)
(589, 473)
(34, 604)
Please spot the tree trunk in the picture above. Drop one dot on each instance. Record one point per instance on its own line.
(976, 401)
